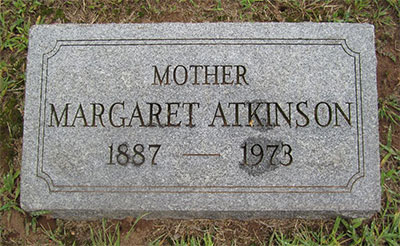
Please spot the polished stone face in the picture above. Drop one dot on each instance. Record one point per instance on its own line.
(221, 120)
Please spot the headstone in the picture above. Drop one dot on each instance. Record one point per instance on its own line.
(215, 120)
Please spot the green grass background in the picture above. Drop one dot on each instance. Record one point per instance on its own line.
(16, 17)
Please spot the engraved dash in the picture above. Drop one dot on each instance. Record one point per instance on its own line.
(201, 154)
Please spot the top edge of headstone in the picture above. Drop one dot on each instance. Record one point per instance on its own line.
(359, 36)
(225, 24)
(207, 23)
(177, 26)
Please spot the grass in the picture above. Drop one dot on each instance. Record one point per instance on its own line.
(106, 235)
(389, 109)
(206, 240)
(102, 233)
(110, 235)
(388, 150)
(17, 16)
(10, 192)
(54, 237)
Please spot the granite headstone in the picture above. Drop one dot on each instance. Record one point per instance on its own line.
(214, 120)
